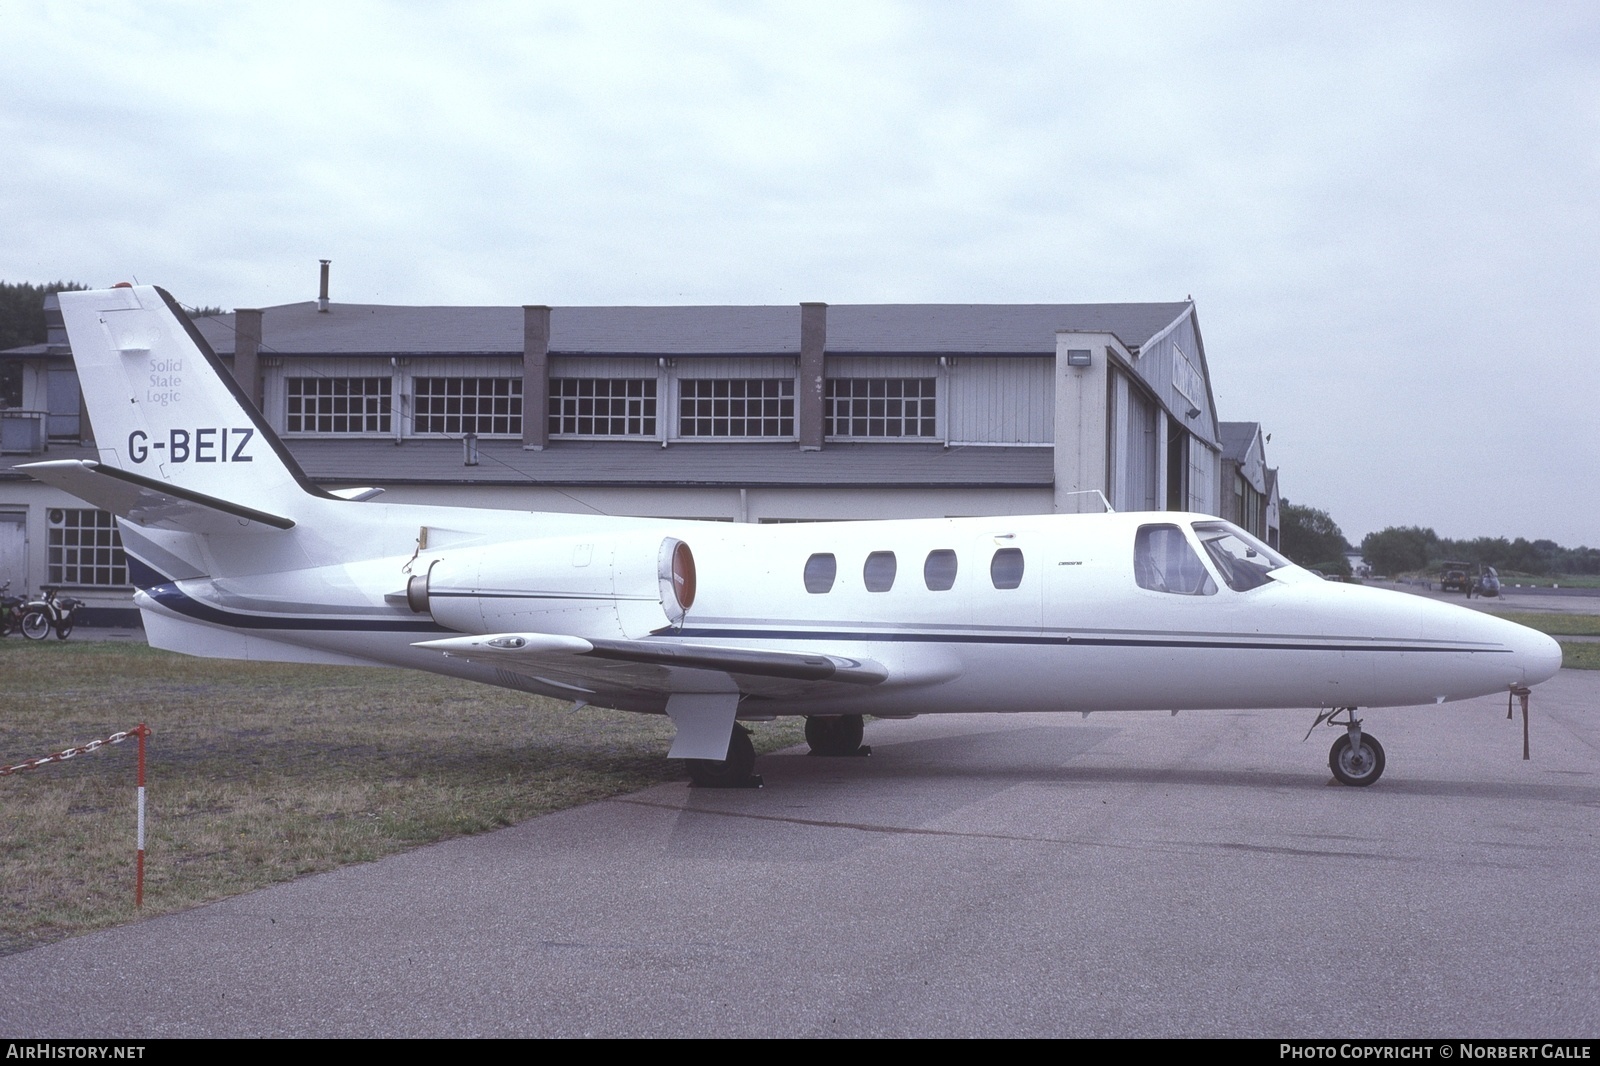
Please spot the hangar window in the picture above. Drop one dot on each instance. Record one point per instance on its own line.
(85, 548)
(880, 407)
(1005, 569)
(455, 406)
(939, 570)
(1163, 561)
(10, 385)
(602, 407)
(879, 572)
(736, 407)
(821, 569)
(338, 405)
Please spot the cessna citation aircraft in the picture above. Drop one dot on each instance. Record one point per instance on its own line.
(237, 555)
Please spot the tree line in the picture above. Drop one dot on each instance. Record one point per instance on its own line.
(1312, 538)
(22, 311)
(1398, 549)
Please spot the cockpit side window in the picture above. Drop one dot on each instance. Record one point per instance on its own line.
(1164, 561)
(1244, 562)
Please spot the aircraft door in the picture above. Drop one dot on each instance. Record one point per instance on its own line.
(1010, 581)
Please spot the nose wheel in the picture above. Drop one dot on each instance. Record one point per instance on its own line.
(1356, 758)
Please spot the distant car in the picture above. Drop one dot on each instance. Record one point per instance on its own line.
(1487, 583)
(1455, 577)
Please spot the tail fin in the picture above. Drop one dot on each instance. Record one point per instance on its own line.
(167, 415)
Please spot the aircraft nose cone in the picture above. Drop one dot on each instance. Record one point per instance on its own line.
(1538, 655)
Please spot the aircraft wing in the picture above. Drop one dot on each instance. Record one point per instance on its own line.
(651, 665)
(152, 503)
(699, 686)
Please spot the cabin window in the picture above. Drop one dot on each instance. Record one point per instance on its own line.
(736, 407)
(880, 407)
(821, 569)
(879, 572)
(939, 570)
(1244, 562)
(1005, 569)
(338, 405)
(602, 407)
(489, 407)
(1163, 561)
(85, 548)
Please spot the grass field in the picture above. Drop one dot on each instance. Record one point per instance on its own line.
(1557, 625)
(263, 772)
(1575, 655)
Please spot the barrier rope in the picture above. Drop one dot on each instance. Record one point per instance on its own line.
(139, 733)
(72, 753)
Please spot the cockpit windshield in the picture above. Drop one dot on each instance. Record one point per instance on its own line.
(1244, 562)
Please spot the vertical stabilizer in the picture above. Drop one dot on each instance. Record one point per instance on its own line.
(164, 408)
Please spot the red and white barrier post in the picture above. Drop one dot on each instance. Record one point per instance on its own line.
(141, 731)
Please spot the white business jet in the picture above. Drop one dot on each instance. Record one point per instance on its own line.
(236, 554)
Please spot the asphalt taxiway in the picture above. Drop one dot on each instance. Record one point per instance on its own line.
(986, 875)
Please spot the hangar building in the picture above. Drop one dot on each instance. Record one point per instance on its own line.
(738, 413)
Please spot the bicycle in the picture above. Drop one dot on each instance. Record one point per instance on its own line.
(50, 612)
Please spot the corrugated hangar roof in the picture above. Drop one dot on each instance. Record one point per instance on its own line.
(999, 329)
(1237, 438)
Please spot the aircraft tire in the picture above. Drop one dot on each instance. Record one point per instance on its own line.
(1359, 768)
(36, 625)
(732, 772)
(834, 734)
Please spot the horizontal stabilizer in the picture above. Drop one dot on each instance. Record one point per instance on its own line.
(533, 648)
(152, 503)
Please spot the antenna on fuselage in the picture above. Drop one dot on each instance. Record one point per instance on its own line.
(1094, 492)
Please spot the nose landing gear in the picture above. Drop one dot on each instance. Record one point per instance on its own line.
(1356, 758)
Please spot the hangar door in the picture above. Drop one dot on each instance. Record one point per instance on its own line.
(14, 550)
(1134, 452)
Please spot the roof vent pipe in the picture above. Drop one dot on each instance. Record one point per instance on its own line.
(322, 294)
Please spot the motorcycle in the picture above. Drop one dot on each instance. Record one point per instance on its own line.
(50, 612)
(10, 610)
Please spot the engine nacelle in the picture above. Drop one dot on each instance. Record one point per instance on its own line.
(619, 585)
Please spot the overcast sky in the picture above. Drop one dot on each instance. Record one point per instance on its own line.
(1388, 214)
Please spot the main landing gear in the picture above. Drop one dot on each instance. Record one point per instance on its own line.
(1356, 758)
(835, 734)
(735, 771)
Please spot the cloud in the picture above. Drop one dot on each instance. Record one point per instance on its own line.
(1386, 214)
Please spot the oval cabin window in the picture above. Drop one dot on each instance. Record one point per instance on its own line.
(939, 570)
(879, 572)
(1005, 569)
(821, 569)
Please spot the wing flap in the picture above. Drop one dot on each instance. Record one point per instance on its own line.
(151, 503)
(749, 666)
